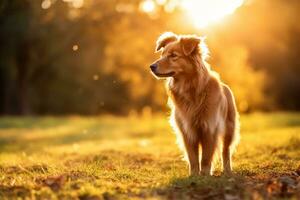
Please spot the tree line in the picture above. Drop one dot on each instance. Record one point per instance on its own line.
(58, 57)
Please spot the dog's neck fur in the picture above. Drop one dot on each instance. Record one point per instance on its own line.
(193, 85)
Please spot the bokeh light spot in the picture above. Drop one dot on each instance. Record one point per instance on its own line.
(75, 47)
(147, 6)
(46, 4)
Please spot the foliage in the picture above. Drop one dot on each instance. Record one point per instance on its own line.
(92, 57)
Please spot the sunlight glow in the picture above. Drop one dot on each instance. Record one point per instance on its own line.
(205, 12)
(147, 6)
(161, 2)
(75, 3)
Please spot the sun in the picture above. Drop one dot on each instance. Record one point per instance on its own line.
(201, 12)
(205, 12)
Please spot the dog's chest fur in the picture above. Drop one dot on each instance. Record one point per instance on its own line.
(194, 109)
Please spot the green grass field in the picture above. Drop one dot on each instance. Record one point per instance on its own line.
(92, 158)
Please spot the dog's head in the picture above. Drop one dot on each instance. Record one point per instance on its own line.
(180, 55)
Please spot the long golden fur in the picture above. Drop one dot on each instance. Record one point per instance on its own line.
(203, 108)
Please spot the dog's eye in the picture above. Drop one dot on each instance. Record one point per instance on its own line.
(173, 55)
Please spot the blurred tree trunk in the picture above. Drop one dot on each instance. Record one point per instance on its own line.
(22, 79)
(3, 92)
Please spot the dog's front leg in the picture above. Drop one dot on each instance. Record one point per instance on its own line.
(208, 144)
(192, 150)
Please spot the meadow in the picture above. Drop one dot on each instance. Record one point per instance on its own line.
(108, 157)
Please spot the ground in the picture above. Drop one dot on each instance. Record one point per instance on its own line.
(108, 157)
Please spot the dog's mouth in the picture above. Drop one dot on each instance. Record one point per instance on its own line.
(170, 74)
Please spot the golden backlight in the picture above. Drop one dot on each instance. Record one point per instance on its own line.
(206, 12)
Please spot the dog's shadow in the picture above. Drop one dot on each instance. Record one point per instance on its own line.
(202, 187)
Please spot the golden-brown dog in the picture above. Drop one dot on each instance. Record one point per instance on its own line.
(203, 108)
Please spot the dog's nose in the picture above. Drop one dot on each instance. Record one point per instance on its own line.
(153, 67)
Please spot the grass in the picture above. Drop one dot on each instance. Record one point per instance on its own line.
(90, 158)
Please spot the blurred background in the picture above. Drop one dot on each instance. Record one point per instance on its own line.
(92, 56)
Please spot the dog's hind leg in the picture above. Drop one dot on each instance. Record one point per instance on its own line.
(226, 153)
(231, 137)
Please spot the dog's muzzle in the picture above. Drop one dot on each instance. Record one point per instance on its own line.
(153, 67)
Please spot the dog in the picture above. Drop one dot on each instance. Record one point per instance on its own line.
(203, 110)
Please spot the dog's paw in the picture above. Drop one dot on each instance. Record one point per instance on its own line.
(228, 173)
(194, 174)
(205, 173)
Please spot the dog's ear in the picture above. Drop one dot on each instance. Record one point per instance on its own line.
(189, 44)
(165, 39)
